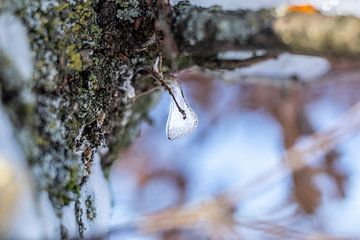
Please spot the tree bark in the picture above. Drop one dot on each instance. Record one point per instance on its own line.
(203, 32)
(80, 96)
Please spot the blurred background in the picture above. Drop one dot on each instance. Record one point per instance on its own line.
(244, 132)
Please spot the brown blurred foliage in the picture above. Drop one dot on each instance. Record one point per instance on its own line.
(288, 107)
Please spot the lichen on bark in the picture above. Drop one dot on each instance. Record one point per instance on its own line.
(206, 31)
(86, 54)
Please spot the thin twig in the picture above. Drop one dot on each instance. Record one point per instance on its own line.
(169, 90)
(158, 77)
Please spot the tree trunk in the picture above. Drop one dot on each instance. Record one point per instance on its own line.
(78, 95)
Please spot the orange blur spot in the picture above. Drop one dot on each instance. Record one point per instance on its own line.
(306, 8)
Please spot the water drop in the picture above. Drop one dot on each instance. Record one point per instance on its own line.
(181, 120)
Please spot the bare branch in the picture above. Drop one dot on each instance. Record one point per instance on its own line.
(201, 31)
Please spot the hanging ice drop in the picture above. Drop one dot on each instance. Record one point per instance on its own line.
(181, 120)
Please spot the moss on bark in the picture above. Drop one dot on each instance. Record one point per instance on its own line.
(86, 54)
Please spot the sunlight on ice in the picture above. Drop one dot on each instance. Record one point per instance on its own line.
(178, 124)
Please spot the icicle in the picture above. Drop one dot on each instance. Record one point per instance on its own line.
(181, 120)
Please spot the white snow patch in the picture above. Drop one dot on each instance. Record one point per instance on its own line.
(27, 222)
(287, 66)
(50, 223)
(69, 221)
(14, 44)
(97, 187)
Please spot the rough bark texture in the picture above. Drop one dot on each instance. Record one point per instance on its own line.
(86, 54)
(202, 31)
(207, 31)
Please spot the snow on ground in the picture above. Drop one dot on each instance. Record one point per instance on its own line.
(284, 66)
(15, 46)
(30, 220)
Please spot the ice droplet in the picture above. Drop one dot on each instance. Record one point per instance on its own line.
(179, 124)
